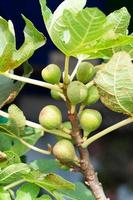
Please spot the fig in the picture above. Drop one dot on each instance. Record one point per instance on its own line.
(85, 72)
(90, 120)
(51, 74)
(55, 94)
(64, 151)
(50, 117)
(76, 92)
(92, 96)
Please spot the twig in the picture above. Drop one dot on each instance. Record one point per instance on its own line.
(32, 81)
(66, 70)
(14, 184)
(106, 131)
(75, 69)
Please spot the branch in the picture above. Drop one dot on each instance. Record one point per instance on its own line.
(106, 131)
(32, 81)
(38, 126)
(87, 169)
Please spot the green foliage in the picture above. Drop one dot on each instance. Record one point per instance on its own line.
(114, 81)
(13, 173)
(86, 33)
(15, 130)
(4, 195)
(27, 191)
(10, 57)
(52, 183)
(81, 192)
(10, 89)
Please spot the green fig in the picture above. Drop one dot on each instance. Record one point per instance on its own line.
(64, 151)
(55, 94)
(51, 74)
(50, 117)
(90, 120)
(92, 96)
(85, 72)
(76, 92)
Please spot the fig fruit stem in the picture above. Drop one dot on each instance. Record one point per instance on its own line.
(89, 84)
(75, 69)
(106, 131)
(32, 81)
(66, 70)
(14, 184)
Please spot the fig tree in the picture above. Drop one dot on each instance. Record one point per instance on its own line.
(64, 151)
(76, 92)
(50, 117)
(92, 96)
(85, 72)
(51, 74)
(90, 120)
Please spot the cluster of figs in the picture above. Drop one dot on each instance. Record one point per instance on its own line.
(77, 92)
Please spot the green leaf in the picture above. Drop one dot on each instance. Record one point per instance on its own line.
(45, 165)
(10, 89)
(44, 197)
(49, 182)
(10, 57)
(4, 195)
(27, 191)
(11, 158)
(86, 33)
(115, 83)
(13, 173)
(81, 192)
(121, 19)
(10, 142)
(17, 115)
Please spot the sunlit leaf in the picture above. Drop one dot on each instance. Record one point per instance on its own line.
(10, 57)
(87, 32)
(115, 83)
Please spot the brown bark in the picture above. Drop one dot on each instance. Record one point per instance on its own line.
(91, 179)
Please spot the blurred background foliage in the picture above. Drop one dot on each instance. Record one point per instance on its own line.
(111, 155)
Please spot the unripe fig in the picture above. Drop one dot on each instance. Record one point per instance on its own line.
(90, 120)
(85, 72)
(76, 92)
(92, 97)
(50, 117)
(55, 94)
(64, 151)
(51, 74)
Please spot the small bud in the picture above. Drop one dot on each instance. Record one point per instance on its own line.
(85, 72)
(66, 127)
(76, 92)
(50, 117)
(64, 151)
(55, 94)
(90, 120)
(51, 74)
(92, 96)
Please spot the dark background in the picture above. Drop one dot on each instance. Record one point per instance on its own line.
(111, 155)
